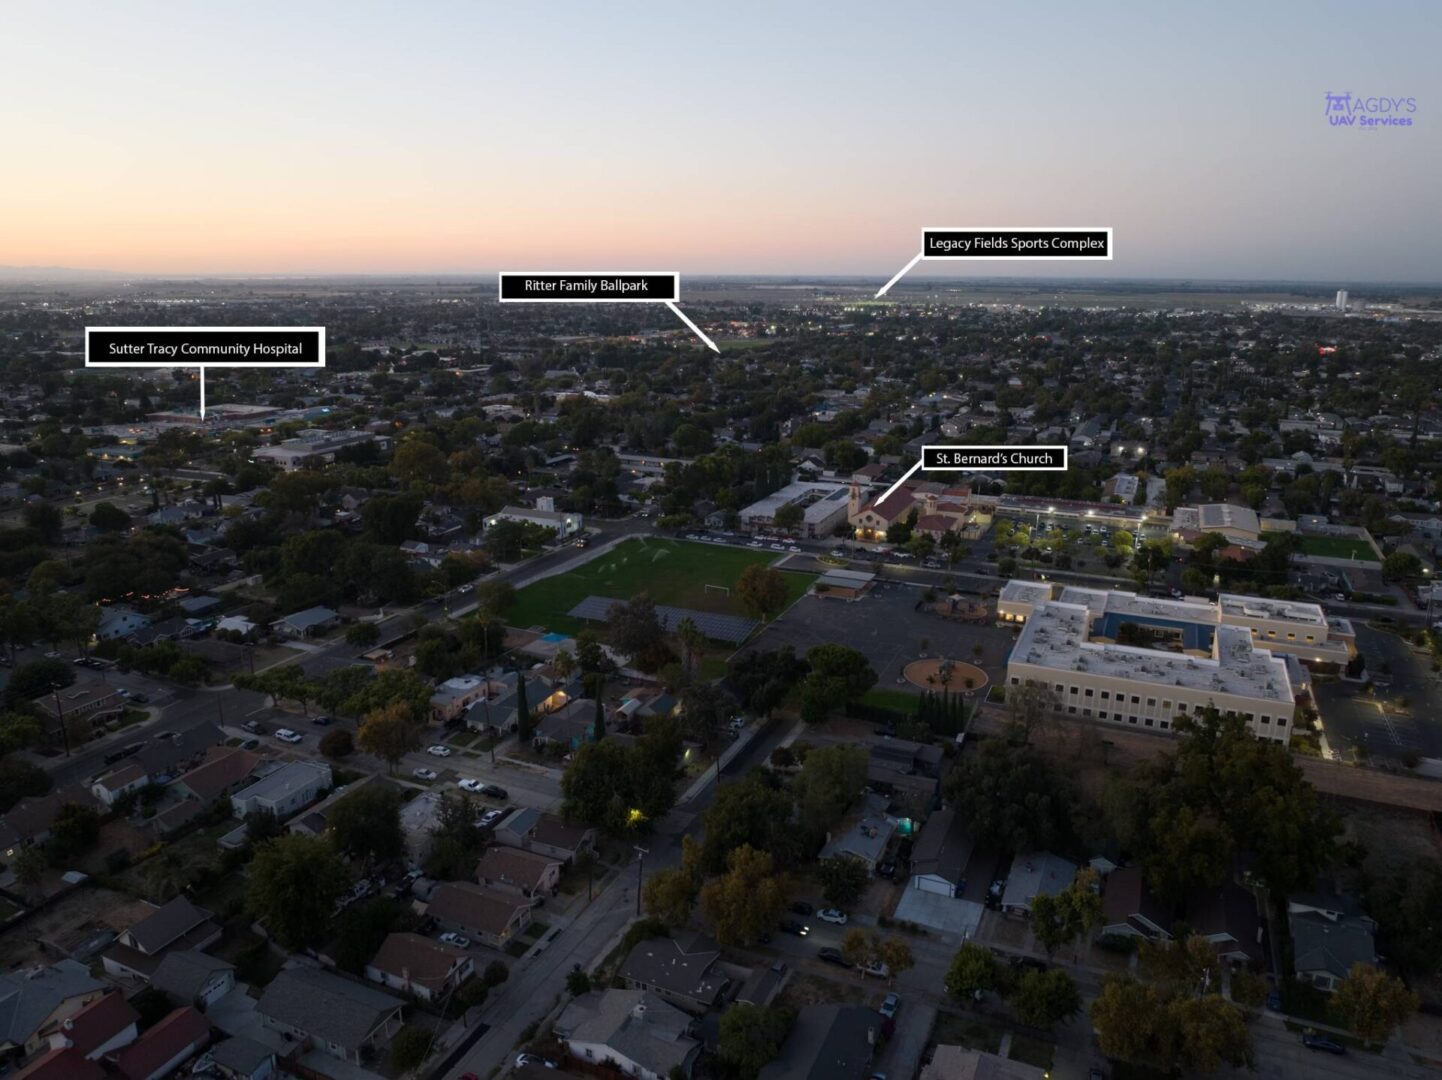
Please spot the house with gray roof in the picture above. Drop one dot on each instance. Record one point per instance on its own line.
(865, 839)
(35, 1001)
(307, 623)
(1033, 874)
(940, 855)
(346, 1019)
(285, 790)
(241, 1058)
(173, 927)
(1329, 934)
(645, 1036)
(827, 1042)
(191, 977)
(682, 969)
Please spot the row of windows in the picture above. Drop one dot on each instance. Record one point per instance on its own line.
(1121, 699)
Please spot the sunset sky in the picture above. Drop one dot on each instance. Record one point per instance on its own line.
(772, 138)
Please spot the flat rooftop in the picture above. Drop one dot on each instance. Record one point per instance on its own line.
(1056, 638)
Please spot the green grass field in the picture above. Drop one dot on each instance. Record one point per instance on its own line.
(1337, 547)
(672, 572)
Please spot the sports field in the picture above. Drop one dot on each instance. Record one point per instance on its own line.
(1337, 547)
(670, 571)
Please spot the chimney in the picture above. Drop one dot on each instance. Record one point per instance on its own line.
(639, 1012)
(871, 1036)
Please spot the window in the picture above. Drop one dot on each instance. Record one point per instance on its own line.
(1071, 709)
(1151, 703)
(1136, 700)
(1015, 681)
(1281, 721)
(1088, 691)
(1071, 690)
(1181, 706)
(1291, 636)
(1149, 721)
(1106, 695)
(1059, 688)
(1131, 719)
(1166, 706)
(1164, 724)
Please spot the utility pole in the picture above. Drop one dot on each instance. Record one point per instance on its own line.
(641, 854)
(60, 712)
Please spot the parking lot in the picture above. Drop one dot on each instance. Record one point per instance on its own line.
(885, 625)
(1353, 717)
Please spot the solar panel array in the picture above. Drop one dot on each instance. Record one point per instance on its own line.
(733, 629)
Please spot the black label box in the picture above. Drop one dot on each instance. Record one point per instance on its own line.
(588, 287)
(996, 244)
(204, 346)
(994, 458)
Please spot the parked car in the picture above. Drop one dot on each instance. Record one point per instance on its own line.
(489, 818)
(802, 907)
(493, 791)
(829, 955)
(889, 1005)
(887, 869)
(424, 774)
(458, 940)
(795, 926)
(140, 699)
(252, 726)
(1321, 1042)
(470, 785)
(285, 735)
(320, 721)
(834, 916)
(876, 969)
(522, 1060)
(438, 750)
(1274, 1001)
(249, 744)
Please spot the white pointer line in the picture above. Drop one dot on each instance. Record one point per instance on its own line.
(899, 275)
(694, 328)
(202, 393)
(905, 476)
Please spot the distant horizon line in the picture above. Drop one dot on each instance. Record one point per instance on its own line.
(15, 275)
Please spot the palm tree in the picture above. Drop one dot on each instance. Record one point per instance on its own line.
(692, 641)
(563, 666)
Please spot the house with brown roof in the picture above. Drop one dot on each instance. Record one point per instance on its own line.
(108, 1023)
(172, 927)
(164, 1047)
(487, 914)
(224, 770)
(60, 1064)
(525, 873)
(1130, 910)
(28, 821)
(419, 965)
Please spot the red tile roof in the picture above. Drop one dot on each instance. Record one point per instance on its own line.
(185, 1027)
(62, 1064)
(98, 1022)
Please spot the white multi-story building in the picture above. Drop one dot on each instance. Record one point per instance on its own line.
(1241, 654)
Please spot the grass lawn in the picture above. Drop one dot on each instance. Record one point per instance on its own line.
(896, 700)
(673, 572)
(1336, 547)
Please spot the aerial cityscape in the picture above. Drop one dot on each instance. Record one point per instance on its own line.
(886, 642)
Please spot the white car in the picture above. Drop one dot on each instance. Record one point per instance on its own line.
(489, 818)
(438, 750)
(794, 549)
(832, 915)
(471, 785)
(285, 735)
(458, 940)
(876, 968)
(424, 774)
